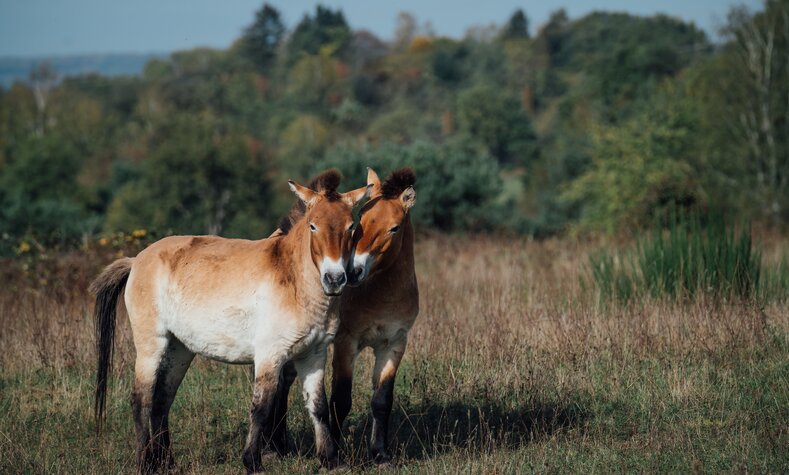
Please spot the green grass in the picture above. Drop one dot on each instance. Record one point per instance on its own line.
(510, 368)
(664, 413)
(688, 260)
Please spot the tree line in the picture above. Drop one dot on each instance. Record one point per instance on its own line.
(602, 123)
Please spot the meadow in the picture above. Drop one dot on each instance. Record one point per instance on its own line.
(517, 363)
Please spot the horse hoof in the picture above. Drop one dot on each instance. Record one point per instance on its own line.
(337, 468)
(381, 460)
(270, 455)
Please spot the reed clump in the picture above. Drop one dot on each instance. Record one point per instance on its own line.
(689, 259)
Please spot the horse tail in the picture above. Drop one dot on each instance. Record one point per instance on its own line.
(107, 287)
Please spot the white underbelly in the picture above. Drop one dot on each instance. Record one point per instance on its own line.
(221, 333)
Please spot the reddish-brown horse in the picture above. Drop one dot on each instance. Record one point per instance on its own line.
(379, 311)
(267, 302)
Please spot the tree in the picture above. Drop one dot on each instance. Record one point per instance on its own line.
(517, 27)
(640, 170)
(196, 181)
(262, 38)
(405, 31)
(39, 194)
(303, 142)
(326, 32)
(43, 78)
(498, 120)
(757, 94)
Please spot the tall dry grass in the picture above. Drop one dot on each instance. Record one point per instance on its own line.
(512, 365)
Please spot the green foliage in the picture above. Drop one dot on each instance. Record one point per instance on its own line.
(262, 38)
(326, 32)
(639, 170)
(304, 141)
(623, 56)
(499, 121)
(197, 182)
(456, 182)
(687, 260)
(39, 194)
(597, 123)
(517, 26)
(746, 102)
(447, 63)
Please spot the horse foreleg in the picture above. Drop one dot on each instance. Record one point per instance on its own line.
(261, 416)
(387, 360)
(311, 371)
(279, 440)
(345, 352)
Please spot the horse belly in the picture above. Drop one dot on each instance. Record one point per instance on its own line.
(381, 334)
(224, 334)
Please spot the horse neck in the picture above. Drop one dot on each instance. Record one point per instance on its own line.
(399, 265)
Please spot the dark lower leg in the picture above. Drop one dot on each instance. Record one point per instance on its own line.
(381, 407)
(340, 405)
(172, 369)
(345, 350)
(261, 417)
(387, 360)
(279, 440)
(141, 411)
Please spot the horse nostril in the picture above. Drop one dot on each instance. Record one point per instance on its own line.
(335, 279)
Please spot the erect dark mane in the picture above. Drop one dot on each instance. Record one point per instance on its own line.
(397, 182)
(326, 183)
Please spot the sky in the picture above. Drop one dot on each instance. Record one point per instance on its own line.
(65, 27)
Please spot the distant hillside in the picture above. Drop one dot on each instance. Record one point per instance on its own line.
(18, 68)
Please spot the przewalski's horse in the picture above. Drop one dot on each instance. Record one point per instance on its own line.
(380, 310)
(265, 302)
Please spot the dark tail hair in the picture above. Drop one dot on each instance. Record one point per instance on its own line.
(107, 287)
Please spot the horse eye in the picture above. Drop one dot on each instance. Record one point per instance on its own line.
(394, 230)
(313, 228)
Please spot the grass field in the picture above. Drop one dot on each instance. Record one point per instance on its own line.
(513, 366)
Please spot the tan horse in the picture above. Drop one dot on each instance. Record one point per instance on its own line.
(379, 311)
(265, 302)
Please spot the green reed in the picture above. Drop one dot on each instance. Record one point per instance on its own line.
(688, 258)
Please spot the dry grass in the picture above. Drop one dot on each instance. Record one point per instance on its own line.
(512, 366)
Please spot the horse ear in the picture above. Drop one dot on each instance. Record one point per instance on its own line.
(307, 196)
(374, 182)
(408, 198)
(355, 196)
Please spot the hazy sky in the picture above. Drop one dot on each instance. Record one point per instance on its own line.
(55, 27)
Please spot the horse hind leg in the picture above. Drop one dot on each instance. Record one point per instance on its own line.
(175, 363)
(157, 374)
